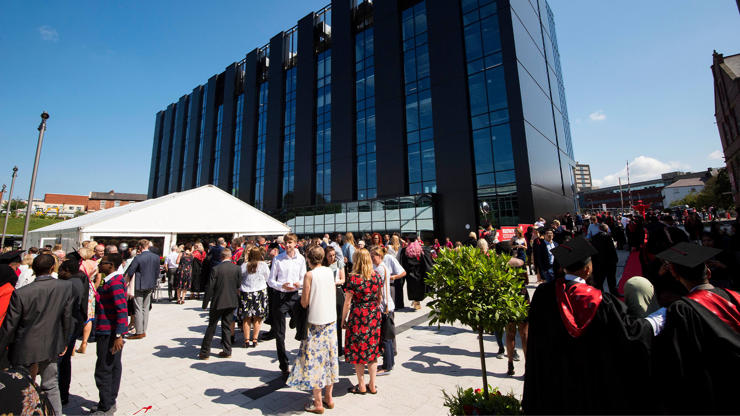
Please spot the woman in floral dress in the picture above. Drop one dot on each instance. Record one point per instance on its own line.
(317, 365)
(361, 320)
(184, 273)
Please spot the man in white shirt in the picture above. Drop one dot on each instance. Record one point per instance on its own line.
(170, 264)
(286, 278)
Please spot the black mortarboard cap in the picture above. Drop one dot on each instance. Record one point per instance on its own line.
(11, 257)
(688, 254)
(573, 251)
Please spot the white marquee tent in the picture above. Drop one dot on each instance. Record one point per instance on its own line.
(204, 210)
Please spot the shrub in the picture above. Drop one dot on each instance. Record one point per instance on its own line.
(478, 289)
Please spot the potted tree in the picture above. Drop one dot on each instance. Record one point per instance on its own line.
(481, 291)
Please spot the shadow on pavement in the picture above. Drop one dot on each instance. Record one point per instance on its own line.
(78, 405)
(232, 368)
(423, 363)
(188, 348)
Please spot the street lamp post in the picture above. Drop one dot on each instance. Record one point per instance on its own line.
(7, 210)
(29, 208)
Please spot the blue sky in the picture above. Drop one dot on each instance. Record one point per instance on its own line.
(637, 80)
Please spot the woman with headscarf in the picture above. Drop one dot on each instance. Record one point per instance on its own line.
(413, 262)
(639, 295)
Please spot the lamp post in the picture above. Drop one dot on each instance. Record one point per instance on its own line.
(29, 208)
(7, 210)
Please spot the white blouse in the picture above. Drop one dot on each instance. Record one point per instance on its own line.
(252, 282)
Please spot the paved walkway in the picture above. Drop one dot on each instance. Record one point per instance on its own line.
(162, 371)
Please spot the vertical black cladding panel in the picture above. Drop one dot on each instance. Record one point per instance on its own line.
(165, 150)
(275, 119)
(190, 159)
(178, 144)
(153, 170)
(227, 129)
(516, 113)
(452, 139)
(249, 129)
(209, 138)
(344, 174)
(389, 101)
(305, 140)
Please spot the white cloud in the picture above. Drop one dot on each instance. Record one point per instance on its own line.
(597, 115)
(642, 168)
(716, 155)
(49, 33)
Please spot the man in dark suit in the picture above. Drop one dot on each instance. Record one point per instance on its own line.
(38, 325)
(223, 294)
(145, 270)
(605, 262)
(543, 259)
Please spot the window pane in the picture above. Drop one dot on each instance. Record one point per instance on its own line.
(473, 46)
(504, 155)
(476, 86)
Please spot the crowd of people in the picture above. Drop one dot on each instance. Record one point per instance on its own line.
(340, 294)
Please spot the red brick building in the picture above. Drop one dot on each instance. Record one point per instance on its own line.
(110, 199)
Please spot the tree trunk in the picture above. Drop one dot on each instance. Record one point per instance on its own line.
(483, 363)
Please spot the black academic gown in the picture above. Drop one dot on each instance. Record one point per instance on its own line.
(604, 370)
(697, 360)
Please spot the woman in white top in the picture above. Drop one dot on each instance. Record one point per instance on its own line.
(317, 364)
(253, 295)
(337, 269)
(27, 275)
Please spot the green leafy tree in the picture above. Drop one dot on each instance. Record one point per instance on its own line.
(14, 204)
(480, 290)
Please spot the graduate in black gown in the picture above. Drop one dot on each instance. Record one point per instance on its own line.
(585, 355)
(697, 355)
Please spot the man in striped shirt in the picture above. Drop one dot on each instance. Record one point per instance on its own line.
(111, 320)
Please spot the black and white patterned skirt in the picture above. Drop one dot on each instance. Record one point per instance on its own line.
(252, 304)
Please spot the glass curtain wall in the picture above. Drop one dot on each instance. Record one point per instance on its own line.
(323, 127)
(186, 146)
(289, 137)
(259, 176)
(175, 182)
(201, 138)
(217, 151)
(237, 145)
(494, 158)
(419, 131)
(367, 182)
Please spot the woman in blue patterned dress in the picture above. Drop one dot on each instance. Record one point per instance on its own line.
(317, 364)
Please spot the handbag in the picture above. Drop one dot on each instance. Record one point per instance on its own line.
(387, 326)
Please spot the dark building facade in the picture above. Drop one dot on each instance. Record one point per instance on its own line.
(385, 115)
(726, 73)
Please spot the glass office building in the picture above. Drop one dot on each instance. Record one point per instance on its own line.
(431, 116)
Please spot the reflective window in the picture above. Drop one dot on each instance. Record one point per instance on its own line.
(419, 130)
(237, 145)
(365, 115)
(323, 127)
(186, 147)
(201, 138)
(217, 150)
(177, 148)
(493, 155)
(259, 171)
(289, 137)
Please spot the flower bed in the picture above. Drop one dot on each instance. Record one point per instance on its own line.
(474, 402)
